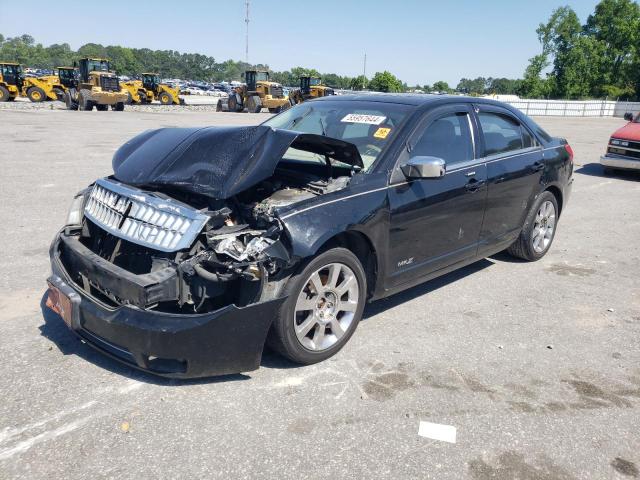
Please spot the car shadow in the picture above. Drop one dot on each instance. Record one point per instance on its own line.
(385, 304)
(55, 330)
(597, 170)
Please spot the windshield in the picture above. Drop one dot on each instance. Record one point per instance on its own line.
(262, 77)
(97, 65)
(11, 69)
(151, 79)
(370, 126)
(316, 81)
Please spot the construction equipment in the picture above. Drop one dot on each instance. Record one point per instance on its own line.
(66, 78)
(256, 94)
(310, 88)
(11, 81)
(39, 89)
(149, 88)
(95, 86)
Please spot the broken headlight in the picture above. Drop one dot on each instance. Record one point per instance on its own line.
(237, 250)
(76, 212)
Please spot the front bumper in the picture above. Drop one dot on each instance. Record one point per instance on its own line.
(624, 163)
(229, 340)
(107, 98)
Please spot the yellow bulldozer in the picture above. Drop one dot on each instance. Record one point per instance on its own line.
(256, 94)
(149, 88)
(95, 86)
(310, 88)
(11, 81)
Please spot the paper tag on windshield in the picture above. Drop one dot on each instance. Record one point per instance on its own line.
(361, 118)
(382, 133)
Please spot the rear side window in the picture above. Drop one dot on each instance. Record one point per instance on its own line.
(448, 138)
(503, 133)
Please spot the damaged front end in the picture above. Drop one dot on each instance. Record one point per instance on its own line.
(173, 278)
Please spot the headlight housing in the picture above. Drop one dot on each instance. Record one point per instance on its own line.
(76, 211)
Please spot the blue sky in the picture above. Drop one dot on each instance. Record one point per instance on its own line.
(419, 41)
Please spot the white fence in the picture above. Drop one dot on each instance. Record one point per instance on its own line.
(574, 108)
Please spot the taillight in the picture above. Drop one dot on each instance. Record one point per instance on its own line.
(569, 150)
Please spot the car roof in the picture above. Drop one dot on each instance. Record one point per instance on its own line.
(416, 99)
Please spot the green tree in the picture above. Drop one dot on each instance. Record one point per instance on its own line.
(476, 86)
(385, 82)
(442, 87)
(533, 86)
(359, 83)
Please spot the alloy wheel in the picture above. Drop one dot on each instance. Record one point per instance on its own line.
(326, 306)
(543, 227)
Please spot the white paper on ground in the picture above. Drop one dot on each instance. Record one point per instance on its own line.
(436, 431)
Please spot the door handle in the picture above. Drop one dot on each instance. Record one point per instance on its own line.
(474, 185)
(537, 166)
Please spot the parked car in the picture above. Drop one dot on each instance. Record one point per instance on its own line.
(623, 151)
(207, 242)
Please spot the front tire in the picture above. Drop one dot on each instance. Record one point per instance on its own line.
(36, 94)
(326, 298)
(539, 229)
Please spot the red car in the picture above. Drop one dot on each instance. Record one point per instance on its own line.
(623, 151)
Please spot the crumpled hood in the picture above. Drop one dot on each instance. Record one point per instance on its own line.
(631, 131)
(217, 162)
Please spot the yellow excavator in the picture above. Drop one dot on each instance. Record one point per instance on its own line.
(149, 88)
(11, 81)
(95, 86)
(310, 88)
(256, 94)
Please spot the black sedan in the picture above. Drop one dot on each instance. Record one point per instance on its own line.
(207, 243)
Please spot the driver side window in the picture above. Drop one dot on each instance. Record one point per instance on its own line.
(448, 138)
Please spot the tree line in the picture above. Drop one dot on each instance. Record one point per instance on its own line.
(598, 59)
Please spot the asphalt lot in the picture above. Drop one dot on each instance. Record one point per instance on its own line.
(537, 365)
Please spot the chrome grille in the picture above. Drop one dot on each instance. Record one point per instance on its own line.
(158, 223)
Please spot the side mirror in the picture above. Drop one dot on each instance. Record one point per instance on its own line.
(424, 167)
(628, 117)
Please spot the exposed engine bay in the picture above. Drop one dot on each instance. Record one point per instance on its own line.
(238, 244)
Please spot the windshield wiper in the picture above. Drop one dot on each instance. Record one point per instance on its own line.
(297, 120)
(324, 130)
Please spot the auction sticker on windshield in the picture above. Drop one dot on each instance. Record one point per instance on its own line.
(362, 118)
(382, 133)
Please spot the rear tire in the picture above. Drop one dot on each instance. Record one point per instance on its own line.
(165, 98)
(36, 94)
(102, 108)
(59, 94)
(219, 106)
(315, 323)
(118, 107)
(539, 229)
(69, 102)
(4, 95)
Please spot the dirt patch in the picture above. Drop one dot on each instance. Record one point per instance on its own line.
(565, 270)
(625, 467)
(511, 465)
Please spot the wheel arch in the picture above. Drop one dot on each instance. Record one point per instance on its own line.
(557, 192)
(362, 247)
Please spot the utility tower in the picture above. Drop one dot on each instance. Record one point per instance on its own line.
(246, 21)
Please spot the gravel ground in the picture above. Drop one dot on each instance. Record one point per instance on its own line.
(195, 104)
(537, 365)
